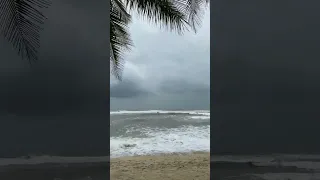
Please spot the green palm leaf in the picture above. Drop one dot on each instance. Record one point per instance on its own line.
(20, 23)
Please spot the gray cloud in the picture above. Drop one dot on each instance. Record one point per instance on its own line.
(126, 89)
(169, 69)
(182, 86)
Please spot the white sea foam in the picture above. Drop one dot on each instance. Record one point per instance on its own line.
(189, 118)
(174, 140)
(200, 117)
(193, 112)
(194, 119)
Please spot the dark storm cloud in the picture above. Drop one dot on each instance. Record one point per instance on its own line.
(170, 95)
(265, 76)
(127, 89)
(182, 86)
(167, 71)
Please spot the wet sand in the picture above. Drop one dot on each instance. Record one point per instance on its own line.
(195, 166)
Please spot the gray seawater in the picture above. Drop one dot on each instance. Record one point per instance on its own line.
(152, 132)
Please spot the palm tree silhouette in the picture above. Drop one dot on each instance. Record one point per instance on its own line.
(21, 20)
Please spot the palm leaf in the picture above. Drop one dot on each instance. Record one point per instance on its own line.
(120, 40)
(193, 10)
(20, 23)
(117, 7)
(161, 12)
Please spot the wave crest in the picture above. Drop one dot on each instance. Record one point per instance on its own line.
(193, 112)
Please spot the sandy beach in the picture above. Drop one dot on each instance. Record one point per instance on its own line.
(195, 166)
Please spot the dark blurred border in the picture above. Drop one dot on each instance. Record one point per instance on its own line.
(67, 137)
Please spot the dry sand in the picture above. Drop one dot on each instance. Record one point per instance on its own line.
(194, 166)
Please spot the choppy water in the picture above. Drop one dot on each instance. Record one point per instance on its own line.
(154, 131)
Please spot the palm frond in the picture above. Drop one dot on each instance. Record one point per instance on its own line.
(20, 23)
(120, 40)
(118, 8)
(193, 10)
(161, 12)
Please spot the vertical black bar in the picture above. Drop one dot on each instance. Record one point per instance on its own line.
(213, 78)
(108, 84)
(54, 115)
(265, 88)
(212, 14)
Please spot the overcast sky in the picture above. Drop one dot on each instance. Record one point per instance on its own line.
(164, 70)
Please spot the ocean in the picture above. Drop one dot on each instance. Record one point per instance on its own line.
(157, 131)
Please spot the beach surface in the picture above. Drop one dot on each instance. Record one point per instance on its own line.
(191, 166)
